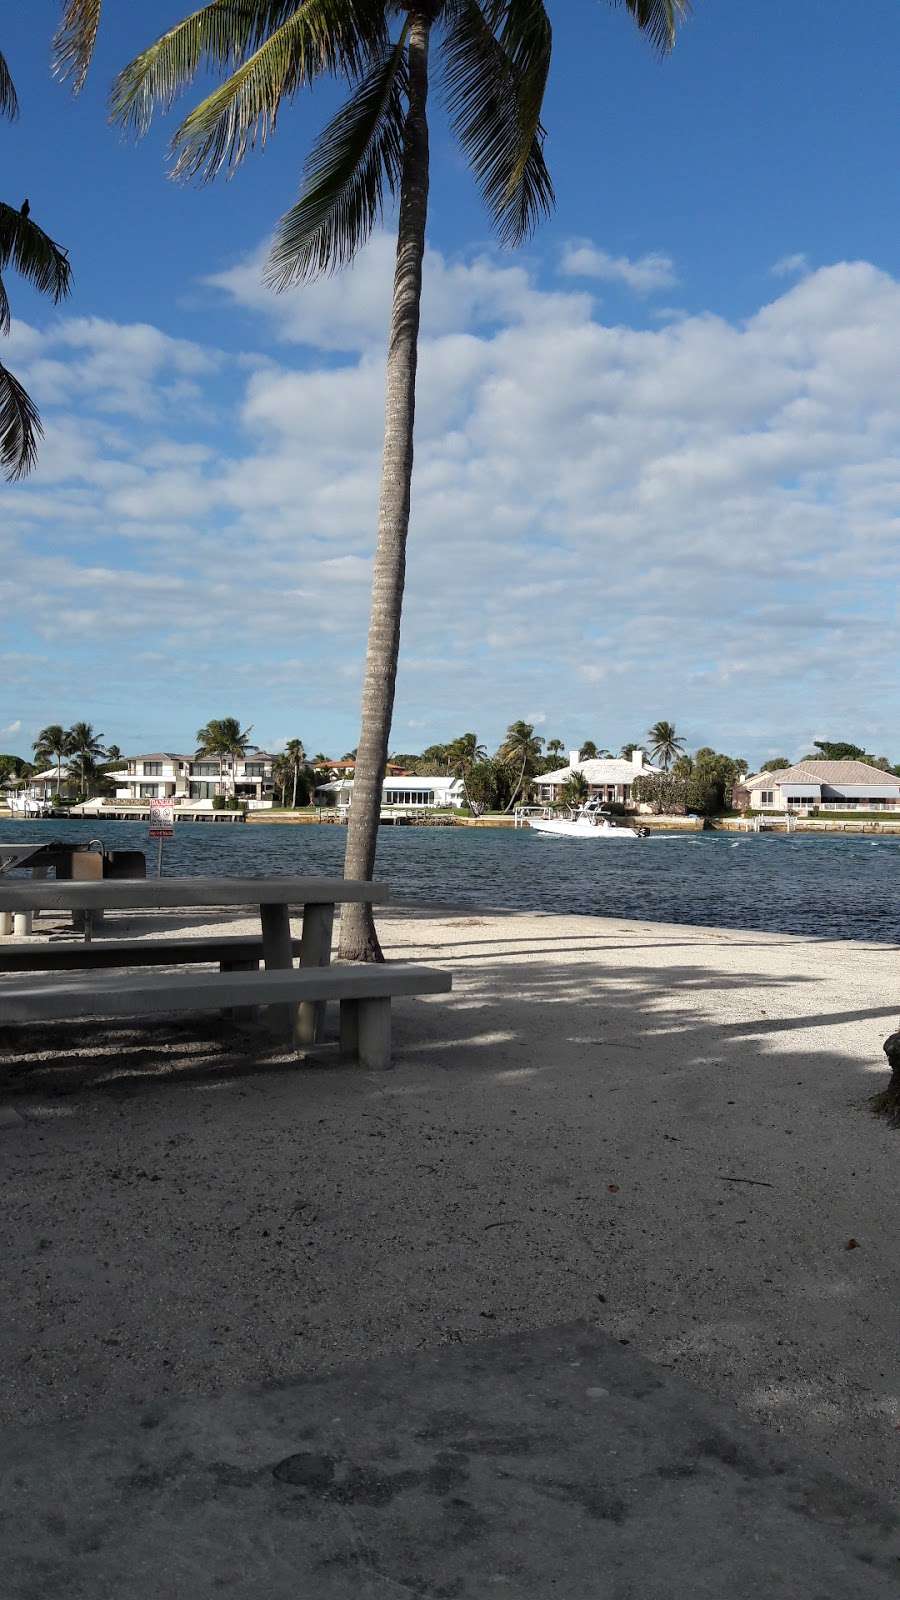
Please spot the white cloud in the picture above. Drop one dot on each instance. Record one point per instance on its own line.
(697, 520)
(790, 266)
(643, 275)
(13, 727)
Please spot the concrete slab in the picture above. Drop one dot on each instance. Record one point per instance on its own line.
(550, 1463)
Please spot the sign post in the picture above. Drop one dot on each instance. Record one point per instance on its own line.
(162, 826)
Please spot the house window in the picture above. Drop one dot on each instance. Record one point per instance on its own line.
(206, 769)
(152, 769)
(254, 771)
(149, 789)
(767, 797)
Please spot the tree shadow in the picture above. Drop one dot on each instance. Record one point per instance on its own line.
(680, 1153)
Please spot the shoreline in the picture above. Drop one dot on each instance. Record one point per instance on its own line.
(662, 824)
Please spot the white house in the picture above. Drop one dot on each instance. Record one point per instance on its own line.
(822, 786)
(193, 780)
(609, 778)
(29, 795)
(412, 793)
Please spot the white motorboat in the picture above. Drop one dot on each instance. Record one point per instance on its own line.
(590, 822)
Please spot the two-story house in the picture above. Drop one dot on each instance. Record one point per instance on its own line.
(196, 780)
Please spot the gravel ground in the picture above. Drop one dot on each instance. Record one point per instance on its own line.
(662, 1129)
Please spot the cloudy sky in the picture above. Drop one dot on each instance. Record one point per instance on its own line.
(657, 463)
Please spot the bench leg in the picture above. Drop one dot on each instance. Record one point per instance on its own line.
(350, 1028)
(277, 956)
(374, 1033)
(315, 951)
(240, 1013)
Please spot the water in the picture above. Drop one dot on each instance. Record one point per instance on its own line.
(837, 887)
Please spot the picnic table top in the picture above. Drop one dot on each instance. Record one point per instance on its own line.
(23, 894)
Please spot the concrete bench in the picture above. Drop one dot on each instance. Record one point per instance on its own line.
(231, 952)
(365, 991)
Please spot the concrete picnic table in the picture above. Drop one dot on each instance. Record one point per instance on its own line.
(274, 896)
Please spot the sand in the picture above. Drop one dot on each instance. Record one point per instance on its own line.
(661, 1129)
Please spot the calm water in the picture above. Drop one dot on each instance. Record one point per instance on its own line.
(837, 887)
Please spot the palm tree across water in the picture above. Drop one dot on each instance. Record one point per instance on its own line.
(493, 57)
(53, 743)
(224, 737)
(35, 256)
(520, 750)
(464, 754)
(575, 791)
(85, 744)
(665, 744)
(296, 757)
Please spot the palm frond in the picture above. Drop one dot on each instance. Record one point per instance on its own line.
(20, 427)
(322, 36)
(493, 97)
(5, 313)
(658, 19)
(74, 40)
(356, 158)
(9, 100)
(33, 253)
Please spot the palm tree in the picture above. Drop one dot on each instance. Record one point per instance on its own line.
(113, 754)
(588, 751)
(53, 744)
(296, 756)
(575, 791)
(465, 753)
(665, 744)
(281, 775)
(494, 60)
(555, 749)
(522, 749)
(224, 737)
(45, 264)
(85, 744)
(627, 751)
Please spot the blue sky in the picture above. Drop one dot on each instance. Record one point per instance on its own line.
(657, 461)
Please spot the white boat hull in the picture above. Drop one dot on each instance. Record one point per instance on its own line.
(581, 828)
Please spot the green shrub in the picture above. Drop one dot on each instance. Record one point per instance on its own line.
(218, 802)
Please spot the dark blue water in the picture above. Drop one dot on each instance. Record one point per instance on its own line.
(839, 887)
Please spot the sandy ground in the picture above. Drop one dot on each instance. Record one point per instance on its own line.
(662, 1129)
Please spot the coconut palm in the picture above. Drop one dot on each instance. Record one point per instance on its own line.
(520, 751)
(555, 749)
(575, 791)
(85, 744)
(35, 256)
(53, 743)
(588, 751)
(627, 751)
(224, 737)
(113, 754)
(281, 775)
(296, 756)
(493, 57)
(665, 744)
(465, 753)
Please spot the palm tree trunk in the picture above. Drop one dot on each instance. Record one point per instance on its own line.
(515, 792)
(294, 795)
(359, 940)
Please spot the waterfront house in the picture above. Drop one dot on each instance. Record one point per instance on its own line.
(40, 787)
(609, 778)
(820, 786)
(195, 780)
(408, 793)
